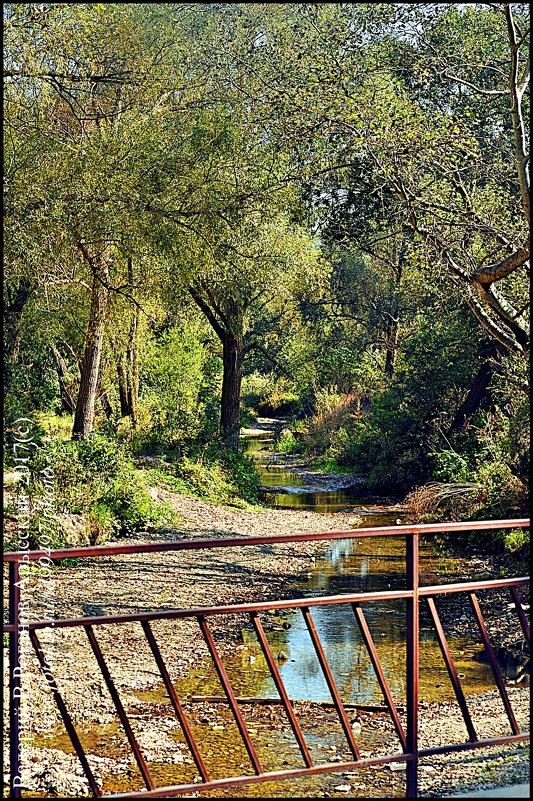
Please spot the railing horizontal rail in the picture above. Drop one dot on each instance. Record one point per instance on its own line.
(167, 792)
(287, 603)
(234, 542)
(490, 741)
(467, 586)
(256, 606)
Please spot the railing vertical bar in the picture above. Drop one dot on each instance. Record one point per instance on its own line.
(191, 742)
(452, 672)
(376, 664)
(521, 614)
(14, 680)
(228, 689)
(412, 662)
(278, 681)
(493, 662)
(63, 711)
(328, 675)
(143, 767)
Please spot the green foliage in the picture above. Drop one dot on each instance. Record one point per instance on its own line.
(180, 386)
(515, 539)
(335, 413)
(129, 504)
(243, 474)
(270, 394)
(450, 466)
(286, 442)
(393, 443)
(221, 477)
(94, 478)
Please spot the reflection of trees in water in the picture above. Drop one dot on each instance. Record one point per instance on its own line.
(346, 654)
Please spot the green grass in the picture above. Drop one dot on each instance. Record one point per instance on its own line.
(332, 466)
(57, 425)
(205, 482)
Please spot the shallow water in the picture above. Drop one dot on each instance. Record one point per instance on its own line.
(365, 565)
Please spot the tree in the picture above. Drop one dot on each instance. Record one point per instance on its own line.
(77, 82)
(335, 90)
(236, 273)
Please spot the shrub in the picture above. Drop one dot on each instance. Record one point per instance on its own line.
(334, 412)
(244, 476)
(223, 477)
(270, 395)
(131, 506)
(94, 478)
(515, 540)
(450, 466)
(180, 385)
(286, 441)
(438, 501)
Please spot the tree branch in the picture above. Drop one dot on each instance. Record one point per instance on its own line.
(266, 354)
(495, 272)
(478, 89)
(200, 302)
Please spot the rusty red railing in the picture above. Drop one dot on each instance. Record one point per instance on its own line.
(412, 594)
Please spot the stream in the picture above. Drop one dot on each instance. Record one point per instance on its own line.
(348, 566)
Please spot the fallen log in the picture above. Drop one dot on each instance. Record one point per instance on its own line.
(221, 699)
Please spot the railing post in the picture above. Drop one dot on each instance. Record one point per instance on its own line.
(412, 663)
(14, 680)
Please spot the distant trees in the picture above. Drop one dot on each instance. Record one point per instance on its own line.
(354, 174)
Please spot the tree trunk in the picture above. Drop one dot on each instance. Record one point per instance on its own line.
(391, 344)
(475, 395)
(132, 357)
(128, 373)
(123, 386)
(16, 299)
(104, 400)
(67, 403)
(90, 368)
(393, 325)
(230, 417)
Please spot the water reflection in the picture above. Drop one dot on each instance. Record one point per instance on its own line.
(359, 566)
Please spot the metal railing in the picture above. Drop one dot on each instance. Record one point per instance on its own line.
(412, 594)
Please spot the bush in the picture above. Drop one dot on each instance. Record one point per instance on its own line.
(244, 476)
(286, 441)
(180, 386)
(132, 507)
(335, 414)
(450, 466)
(270, 395)
(93, 477)
(515, 540)
(221, 477)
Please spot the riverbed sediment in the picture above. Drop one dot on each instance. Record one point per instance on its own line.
(115, 585)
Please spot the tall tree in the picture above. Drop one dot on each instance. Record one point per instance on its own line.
(383, 89)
